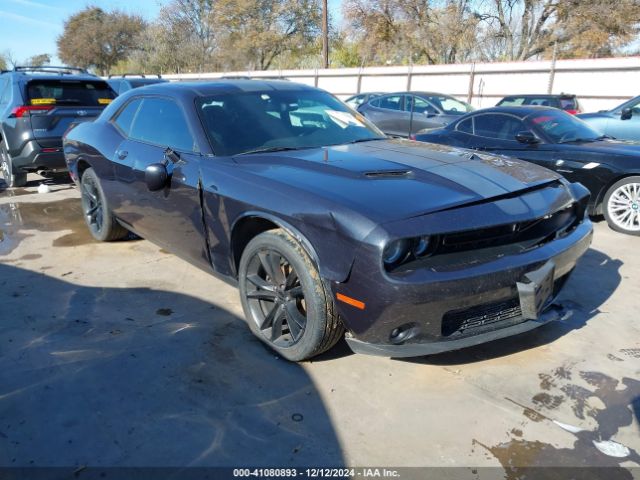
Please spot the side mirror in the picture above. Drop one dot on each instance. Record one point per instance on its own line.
(156, 176)
(626, 114)
(527, 137)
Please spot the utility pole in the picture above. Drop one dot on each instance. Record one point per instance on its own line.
(325, 35)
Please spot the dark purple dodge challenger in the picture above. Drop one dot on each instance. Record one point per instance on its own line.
(326, 225)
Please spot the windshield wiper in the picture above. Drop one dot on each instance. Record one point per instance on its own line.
(359, 140)
(269, 150)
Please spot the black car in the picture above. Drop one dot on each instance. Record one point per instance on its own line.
(551, 138)
(564, 101)
(37, 105)
(127, 81)
(324, 223)
(403, 114)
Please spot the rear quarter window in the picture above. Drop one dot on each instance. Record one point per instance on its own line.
(73, 93)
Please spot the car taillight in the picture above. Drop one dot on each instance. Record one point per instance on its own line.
(412, 136)
(572, 111)
(23, 110)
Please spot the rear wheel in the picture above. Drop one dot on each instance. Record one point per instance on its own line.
(285, 302)
(622, 206)
(12, 178)
(97, 215)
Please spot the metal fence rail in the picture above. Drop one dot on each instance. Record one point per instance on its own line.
(599, 83)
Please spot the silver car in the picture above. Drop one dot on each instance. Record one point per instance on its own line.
(405, 113)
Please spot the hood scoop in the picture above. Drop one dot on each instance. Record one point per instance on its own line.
(380, 174)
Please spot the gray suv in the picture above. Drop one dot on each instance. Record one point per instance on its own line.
(37, 105)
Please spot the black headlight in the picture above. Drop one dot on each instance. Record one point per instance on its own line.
(407, 249)
(395, 252)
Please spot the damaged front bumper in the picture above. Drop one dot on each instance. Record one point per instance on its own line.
(555, 312)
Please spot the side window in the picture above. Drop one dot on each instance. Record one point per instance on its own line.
(391, 102)
(511, 102)
(501, 127)
(465, 126)
(420, 105)
(161, 121)
(124, 119)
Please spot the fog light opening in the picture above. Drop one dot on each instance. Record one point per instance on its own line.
(403, 333)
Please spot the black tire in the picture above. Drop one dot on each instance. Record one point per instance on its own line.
(621, 206)
(97, 215)
(12, 178)
(298, 293)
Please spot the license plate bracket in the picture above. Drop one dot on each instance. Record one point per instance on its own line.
(535, 290)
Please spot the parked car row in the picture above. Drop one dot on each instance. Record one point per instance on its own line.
(38, 104)
(331, 228)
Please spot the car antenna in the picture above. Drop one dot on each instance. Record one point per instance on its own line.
(411, 115)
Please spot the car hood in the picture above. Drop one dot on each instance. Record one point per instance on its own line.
(610, 147)
(395, 179)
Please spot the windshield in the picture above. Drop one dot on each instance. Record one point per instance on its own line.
(560, 127)
(272, 120)
(446, 104)
(88, 93)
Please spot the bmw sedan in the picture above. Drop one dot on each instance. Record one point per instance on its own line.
(327, 226)
(403, 114)
(552, 138)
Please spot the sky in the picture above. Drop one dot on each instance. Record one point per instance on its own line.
(30, 27)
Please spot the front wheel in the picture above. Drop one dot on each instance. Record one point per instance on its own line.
(284, 300)
(622, 206)
(11, 177)
(97, 215)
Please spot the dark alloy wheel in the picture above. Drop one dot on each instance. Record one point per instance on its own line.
(284, 300)
(102, 225)
(12, 179)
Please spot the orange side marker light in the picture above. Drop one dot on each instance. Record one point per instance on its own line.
(350, 301)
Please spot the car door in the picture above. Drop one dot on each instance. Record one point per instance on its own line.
(388, 114)
(425, 114)
(496, 133)
(628, 129)
(172, 217)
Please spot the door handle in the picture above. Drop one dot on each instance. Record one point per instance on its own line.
(122, 154)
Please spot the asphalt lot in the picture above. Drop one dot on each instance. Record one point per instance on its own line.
(122, 354)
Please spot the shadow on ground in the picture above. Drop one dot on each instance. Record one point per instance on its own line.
(140, 377)
(596, 278)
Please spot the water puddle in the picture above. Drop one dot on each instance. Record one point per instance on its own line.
(610, 402)
(19, 219)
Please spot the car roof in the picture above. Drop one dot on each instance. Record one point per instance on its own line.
(50, 76)
(542, 95)
(520, 111)
(213, 87)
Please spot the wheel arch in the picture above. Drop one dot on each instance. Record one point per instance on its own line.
(598, 206)
(252, 224)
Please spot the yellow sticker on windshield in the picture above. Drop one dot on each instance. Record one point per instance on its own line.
(104, 101)
(43, 101)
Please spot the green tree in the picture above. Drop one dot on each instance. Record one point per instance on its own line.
(94, 38)
(257, 32)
